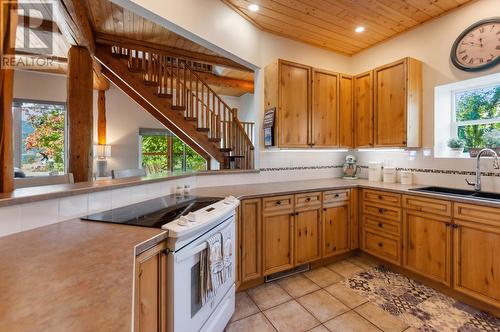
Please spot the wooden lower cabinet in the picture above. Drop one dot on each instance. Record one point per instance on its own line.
(277, 248)
(336, 235)
(150, 308)
(477, 260)
(427, 245)
(251, 239)
(307, 236)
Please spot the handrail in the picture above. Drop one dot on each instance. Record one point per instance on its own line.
(209, 110)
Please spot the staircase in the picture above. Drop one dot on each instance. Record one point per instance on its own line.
(171, 90)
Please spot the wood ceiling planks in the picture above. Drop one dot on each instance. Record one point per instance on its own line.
(330, 23)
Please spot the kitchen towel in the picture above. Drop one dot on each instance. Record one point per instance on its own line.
(228, 255)
(211, 268)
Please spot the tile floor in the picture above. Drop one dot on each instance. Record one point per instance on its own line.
(353, 295)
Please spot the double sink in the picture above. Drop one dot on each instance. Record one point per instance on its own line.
(460, 192)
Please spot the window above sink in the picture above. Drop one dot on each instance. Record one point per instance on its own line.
(470, 111)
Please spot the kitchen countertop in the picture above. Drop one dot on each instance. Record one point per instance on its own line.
(69, 276)
(246, 191)
(78, 275)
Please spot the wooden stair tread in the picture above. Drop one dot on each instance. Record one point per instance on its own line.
(226, 150)
(214, 139)
(178, 108)
(206, 130)
(164, 95)
(188, 118)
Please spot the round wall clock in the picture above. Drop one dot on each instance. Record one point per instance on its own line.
(478, 47)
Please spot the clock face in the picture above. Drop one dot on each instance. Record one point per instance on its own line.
(478, 47)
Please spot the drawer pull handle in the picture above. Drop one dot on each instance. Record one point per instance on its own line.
(308, 199)
(337, 195)
(292, 214)
(381, 210)
(324, 209)
(447, 224)
(380, 197)
(380, 244)
(380, 224)
(278, 202)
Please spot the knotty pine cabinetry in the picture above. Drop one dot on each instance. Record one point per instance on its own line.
(281, 232)
(318, 108)
(150, 307)
(398, 104)
(476, 245)
(314, 107)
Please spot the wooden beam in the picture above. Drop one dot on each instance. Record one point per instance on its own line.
(8, 17)
(35, 23)
(107, 39)
(156, 113)
(80, 117)
(77, 21)
(101, 117)
(100, 81)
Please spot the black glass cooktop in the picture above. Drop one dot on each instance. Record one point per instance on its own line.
(154, 213)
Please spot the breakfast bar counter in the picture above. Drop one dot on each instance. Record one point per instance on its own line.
(70, 276)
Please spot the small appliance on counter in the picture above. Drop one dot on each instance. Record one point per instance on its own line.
(350, 168)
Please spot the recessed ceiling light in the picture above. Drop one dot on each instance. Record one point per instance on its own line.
(359, 29)
(253, 7)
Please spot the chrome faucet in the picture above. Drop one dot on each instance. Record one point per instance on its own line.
(496, 164)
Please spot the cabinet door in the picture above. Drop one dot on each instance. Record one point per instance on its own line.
(335, 230)
(278, 242)
(363, 109)
(251, 240)
(307, 236)
(390, 104)
(346, 111)
(477, 261)
(150, 290)
(427, 245)
(325, 111)
(294, 105)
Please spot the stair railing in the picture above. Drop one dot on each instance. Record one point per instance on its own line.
(175, 79)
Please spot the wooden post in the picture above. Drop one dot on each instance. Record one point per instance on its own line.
(101, 117)
(8, 17)
(80, 117)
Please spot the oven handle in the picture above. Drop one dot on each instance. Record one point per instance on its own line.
(184, 255)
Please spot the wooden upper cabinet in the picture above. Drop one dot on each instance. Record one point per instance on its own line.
(398, 103)
(294, 105)
(346, 111)
(363, 110)
(325, 109)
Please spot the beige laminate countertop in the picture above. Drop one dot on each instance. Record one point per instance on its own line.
(78, 276)
(69, 276)
(246, 191)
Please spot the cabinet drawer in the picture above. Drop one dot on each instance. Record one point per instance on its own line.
(382, 211)
(333, 196)
(383, 197)
(308, 200)
(382, 226)
(277, 204)
(429, 205)
(483, 214)
(382, 246)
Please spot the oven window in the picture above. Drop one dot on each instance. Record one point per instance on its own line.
(195, 289)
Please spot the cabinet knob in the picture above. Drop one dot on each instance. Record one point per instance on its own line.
(380, 197)
(380, 224)
(308, 199)
(447, 224)
(278, 202)
(380, 244)
(324, 209)
(296, 213)
(336, 195)
(292, 214)
(381, 210)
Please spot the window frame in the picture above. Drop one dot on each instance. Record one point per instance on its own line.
(454, 123)
(19, 144)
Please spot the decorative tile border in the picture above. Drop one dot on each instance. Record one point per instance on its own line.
(441, 171)
(299, 168)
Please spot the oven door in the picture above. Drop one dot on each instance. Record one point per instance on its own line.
(186, 313)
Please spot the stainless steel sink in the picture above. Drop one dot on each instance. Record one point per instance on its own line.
(460, 192)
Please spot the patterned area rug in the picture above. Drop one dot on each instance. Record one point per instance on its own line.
(420, 306)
